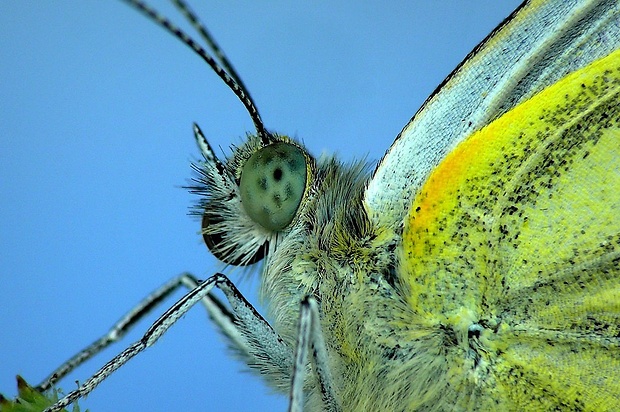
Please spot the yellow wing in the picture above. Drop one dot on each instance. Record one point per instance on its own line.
(513, 245)
(540, 43)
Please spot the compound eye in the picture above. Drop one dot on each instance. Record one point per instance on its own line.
(273, 182)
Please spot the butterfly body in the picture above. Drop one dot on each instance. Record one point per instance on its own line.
(472, 308)
(470, 302)
(475, 268)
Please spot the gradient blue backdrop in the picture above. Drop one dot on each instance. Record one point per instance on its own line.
(95, 127)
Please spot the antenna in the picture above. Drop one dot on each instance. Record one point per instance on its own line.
(219, 64)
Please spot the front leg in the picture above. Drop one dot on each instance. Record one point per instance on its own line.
(310, 336)
(252, 338)
(251, 333)
(124, 325)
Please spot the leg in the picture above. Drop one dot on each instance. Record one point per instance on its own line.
(249, 333)
(311, 337)
(120, 328)
(156, 330)
(253, 339)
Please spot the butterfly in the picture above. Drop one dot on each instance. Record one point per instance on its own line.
(476, 329)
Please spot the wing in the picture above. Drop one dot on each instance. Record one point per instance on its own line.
(512, 249)
(537, 45)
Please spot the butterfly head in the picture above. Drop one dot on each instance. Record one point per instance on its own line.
(252, 197)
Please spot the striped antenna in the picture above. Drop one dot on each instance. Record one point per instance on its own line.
(219, 64)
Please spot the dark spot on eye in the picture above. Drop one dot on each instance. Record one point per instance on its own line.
(277, 174)
(288, 190)
(266, 159)
(295, 165)
(277, 200)
(262, 183)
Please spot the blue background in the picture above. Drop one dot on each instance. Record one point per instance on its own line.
(95, 127)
